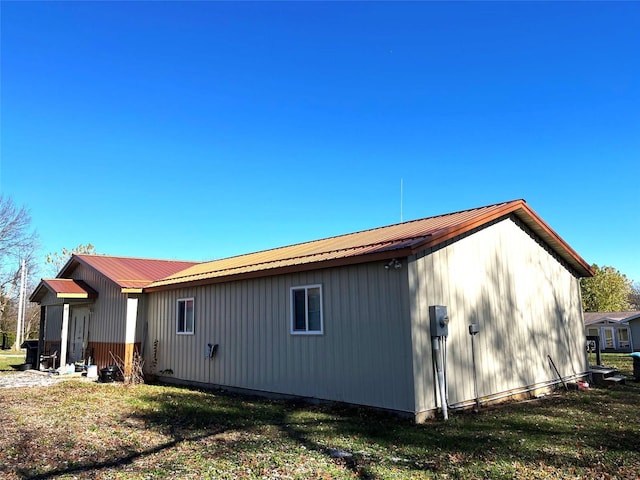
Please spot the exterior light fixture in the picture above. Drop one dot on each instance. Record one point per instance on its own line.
(394, 263)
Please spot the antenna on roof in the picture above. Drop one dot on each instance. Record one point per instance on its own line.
(401, 200)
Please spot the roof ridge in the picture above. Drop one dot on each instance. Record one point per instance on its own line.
(293, 257)
(359, 232)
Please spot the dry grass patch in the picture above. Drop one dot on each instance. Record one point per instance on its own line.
(87, 430)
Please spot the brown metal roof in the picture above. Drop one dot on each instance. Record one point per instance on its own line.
(398, 240)
(63, 288)
(128, 273)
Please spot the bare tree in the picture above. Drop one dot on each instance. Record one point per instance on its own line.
(17, 243)
(57, 260)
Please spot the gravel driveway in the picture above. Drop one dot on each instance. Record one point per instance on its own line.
(32, 378)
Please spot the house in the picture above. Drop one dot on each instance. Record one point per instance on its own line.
(614, 330)
(634, 324)
(381, 317)
(90, 312)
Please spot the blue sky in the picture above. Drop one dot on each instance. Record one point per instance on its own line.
(207, 129)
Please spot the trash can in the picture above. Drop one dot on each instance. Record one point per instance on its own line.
(32, 352)
(636, 366)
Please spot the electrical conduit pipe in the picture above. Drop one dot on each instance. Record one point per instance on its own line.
(437, 353)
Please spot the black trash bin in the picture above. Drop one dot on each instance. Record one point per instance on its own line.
(32, 353)
(636, 366)
(109, 374)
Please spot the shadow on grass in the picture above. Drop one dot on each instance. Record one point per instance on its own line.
(552, 431)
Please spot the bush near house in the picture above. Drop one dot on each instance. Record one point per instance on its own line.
(88, 430)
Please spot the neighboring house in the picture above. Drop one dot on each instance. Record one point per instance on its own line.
(90, 312)
(347, 318)
(614, 330)
(634, 324)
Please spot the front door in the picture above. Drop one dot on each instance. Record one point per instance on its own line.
(78, 330)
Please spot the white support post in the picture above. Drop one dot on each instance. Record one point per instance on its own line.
(130, 334)
(64, 335)
(132, 316)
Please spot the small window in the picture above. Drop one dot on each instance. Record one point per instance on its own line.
(185, 316)
(306, 310)
(623, 338)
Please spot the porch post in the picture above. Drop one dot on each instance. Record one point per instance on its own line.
(130, 334)
(64, 335)
(41, 335)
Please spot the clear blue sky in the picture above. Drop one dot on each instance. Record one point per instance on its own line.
(207, 129)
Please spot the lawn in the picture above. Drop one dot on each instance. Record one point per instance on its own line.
(78, 429)
(10, 357)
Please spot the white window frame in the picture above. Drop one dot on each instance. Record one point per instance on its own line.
(604, 338)
(193, 313)
(624, 343)
(306, 289)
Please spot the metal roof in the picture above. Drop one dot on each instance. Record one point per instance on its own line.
(130, 274)
(63, 288)
(399, 240)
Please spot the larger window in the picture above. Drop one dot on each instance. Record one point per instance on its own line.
(306, 310)
(184, 324)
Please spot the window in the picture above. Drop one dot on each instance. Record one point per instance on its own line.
(607, 337)
(623, 338)
(306, 310)
(185, 316)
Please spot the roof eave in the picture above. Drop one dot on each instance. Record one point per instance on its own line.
(131, 290)
(304, 267)
(36, 295)
(530, 218)
(44, 287)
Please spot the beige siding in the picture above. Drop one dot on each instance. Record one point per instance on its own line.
(109, 316)
(526, 303)
(364, 356)
(142, 318)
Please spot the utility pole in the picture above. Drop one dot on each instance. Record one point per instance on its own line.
(20, 322)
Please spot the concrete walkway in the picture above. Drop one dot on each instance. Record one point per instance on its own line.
(34, 378)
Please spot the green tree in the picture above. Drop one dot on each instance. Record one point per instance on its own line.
(634, 298)
(57, 260)
(607, 291)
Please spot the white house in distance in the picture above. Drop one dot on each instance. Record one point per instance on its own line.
(347, 318)
(617, 330)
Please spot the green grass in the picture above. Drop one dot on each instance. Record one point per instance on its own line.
(10, 357)
(86, 430)
(622, 361)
